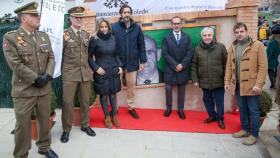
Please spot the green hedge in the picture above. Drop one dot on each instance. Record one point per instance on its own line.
(5, 72)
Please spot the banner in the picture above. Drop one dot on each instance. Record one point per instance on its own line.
(52, 22)
(107, 8)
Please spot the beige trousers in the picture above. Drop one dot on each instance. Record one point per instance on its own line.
(70, 88)
(130, 79)
(23, 110)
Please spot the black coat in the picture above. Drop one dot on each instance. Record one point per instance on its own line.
(175, 54)
(104, 51)
(130, 45)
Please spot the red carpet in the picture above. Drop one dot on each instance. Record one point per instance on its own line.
(153, 120)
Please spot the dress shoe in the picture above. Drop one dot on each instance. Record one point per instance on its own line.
(167, 112)
(181, 114)
(209, 120)
(88, 131)
(133, 113)
(49, 153)
(64, 137)
(221, 124)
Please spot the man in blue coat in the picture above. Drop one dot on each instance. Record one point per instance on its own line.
(131, 50)
(177, 53)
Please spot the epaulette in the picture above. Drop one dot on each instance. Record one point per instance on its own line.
(84, 31)
(87, 33)
(14, 31)
(66, 35)
(41, 31)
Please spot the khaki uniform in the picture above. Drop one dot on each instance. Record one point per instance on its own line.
(27, 59)
(76, 76)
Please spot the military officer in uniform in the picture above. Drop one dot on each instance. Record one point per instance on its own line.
(29, 54)
(76, 74)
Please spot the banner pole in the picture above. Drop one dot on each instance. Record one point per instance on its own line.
(41, 8)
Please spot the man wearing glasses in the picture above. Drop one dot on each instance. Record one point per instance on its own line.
(177, 53)
(29, 54)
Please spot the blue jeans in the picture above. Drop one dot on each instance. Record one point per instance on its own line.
(212, 97)
(248, 107)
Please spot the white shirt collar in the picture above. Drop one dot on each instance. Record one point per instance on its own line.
(28, 33)
(75, 30)
(175, 34)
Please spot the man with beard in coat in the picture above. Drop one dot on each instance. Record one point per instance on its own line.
(131, 50)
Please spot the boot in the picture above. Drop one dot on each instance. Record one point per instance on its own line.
(108, 122)
(241, 133)
(116, 121)
(250, 140)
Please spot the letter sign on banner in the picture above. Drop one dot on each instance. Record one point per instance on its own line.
(107, 8)
(54, 10)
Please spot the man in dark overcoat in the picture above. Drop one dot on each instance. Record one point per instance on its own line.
(177, 53)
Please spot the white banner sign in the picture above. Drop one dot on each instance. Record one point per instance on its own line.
(52, 22)
(107, 8)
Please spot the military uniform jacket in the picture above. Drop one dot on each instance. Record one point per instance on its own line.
(27, 59)
(75, 65)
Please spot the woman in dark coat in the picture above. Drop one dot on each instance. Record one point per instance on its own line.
(106, 68)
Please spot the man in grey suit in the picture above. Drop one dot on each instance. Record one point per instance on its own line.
(177, 53)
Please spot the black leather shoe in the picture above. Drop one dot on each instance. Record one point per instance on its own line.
(64, 137)
(133, 113)
(209, 120)
(167, 112)
(49, 154)
(221, 124)
(88, 131)
(181, 114)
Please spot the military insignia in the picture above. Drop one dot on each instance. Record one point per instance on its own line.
(35, 5)
(24, 44)
(26, 58)
(43, 39)
(66, 35)
(21, 41)
(44, 48)
(5, 44)
(71, 40)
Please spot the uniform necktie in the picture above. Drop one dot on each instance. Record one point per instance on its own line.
(33, 36)
(79, 34)
(177, 38)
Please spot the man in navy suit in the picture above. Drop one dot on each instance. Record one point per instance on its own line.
(177, 53)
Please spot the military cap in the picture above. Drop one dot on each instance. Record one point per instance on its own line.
(76, 11)
(29, 8)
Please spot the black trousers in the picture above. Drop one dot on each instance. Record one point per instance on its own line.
(272, 77)
(181, 96)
